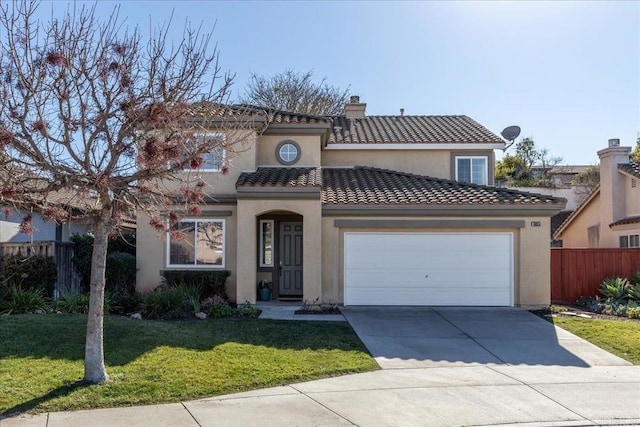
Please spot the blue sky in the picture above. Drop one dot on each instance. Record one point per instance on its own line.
(568, 73)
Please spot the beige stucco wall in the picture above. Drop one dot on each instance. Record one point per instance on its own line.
(531, 256)
(248, 211)
(632, 197)
(151, 251)
(576, 234)
(436, 163)
(309, 150)
(240, 157)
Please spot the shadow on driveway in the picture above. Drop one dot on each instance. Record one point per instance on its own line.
(413, 337)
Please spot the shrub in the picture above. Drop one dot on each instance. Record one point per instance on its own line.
(83, 249)
(634, 291)
(126, 302)
(20, 301)
(248, 310)
(615, 288)
(121, 271)
(170, 303)
(633, 312)
(30, 273)
(210, 283)
(73, 303)
(635, 279)
(218, 310)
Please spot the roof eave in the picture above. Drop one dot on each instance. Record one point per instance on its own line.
(501, 210)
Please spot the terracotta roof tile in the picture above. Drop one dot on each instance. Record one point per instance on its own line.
(632, 168)
(365, 185)
(281, 177)
(410, 129)
(372, 186)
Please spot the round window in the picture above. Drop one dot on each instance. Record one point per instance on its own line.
(288, 152)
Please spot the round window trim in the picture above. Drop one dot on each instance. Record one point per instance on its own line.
(285, 157)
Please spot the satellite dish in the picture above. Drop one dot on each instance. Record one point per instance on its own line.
(510, 133)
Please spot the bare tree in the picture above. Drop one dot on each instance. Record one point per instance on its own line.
(295, 92)
(586, 182)
(92, 112)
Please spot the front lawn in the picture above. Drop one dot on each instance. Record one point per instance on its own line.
(149, 362)
(620, 337)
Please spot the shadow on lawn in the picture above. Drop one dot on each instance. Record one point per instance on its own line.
(63, 336)
(34, 403)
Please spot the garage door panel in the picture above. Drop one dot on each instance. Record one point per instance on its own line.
(428, 268)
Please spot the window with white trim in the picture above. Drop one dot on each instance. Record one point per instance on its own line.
(211, 161)
(196, 243)
(266, 243)
(473, 169)
(630, 241)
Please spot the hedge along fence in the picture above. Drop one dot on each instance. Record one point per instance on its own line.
(209, 282)
(579, 272)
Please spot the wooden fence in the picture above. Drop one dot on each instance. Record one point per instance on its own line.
(68, 279)
(579, 272)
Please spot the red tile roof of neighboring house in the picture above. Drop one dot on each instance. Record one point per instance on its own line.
(372, 186)
(410, 129)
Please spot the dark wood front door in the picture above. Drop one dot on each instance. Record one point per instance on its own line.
(290, 263)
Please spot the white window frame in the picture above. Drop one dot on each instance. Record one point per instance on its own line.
(471, 158)
(262, 222)
(202, 135)
(634, 241)
(195, 253)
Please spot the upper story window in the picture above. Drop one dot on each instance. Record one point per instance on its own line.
(196, 243)
(288, 152)
(473, 169)
(213, 160)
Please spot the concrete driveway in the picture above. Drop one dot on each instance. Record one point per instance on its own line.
(441, 367)
(423, 337)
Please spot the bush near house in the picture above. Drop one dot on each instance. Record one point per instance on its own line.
(621, 297)
(30, 273)
(209, 283)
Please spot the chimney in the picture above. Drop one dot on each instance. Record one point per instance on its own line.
(612, 190)
(401, 112)
(354, 109)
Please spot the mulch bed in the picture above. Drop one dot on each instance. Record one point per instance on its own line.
(577, 311)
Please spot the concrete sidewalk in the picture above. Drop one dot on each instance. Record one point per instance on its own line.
(444, 396)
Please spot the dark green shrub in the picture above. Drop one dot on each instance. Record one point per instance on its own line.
(83, 249)
(121, 271)
(30, 273)
(170, 303)
(615, 288)
(634, 292)
(73, 303)
(124, 242)
(209, 282)
(20, 301)
(126, 302)
(218, 310)
(248, 310)
(79, 303)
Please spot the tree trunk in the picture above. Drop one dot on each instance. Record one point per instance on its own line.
(94, 369)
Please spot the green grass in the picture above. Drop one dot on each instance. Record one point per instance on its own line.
(620, 337)
(149, 362)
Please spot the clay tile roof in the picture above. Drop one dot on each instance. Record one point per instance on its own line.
(281, 177)
(627, 220)
(632, 168)
(410, 129)
(365, 185)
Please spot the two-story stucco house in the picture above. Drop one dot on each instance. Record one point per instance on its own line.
(368, 210)
(610, 216)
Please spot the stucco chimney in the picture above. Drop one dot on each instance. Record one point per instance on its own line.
(354, 109)
(612, 200)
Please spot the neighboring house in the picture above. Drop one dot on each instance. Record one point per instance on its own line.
(610, 216)
(363, 210)
(560, 176)
(43, 230)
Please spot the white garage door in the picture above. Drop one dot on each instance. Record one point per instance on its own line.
(465, 269)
